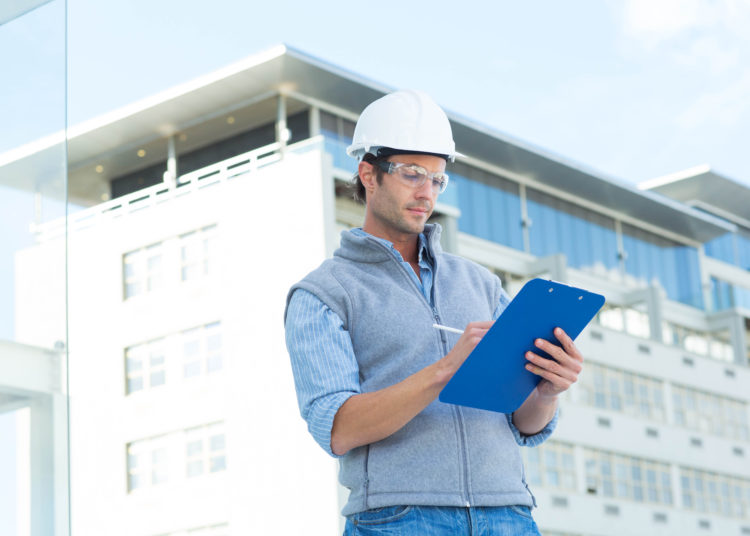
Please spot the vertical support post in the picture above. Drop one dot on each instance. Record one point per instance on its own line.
(314, 121)
(705, 278)
(41, 458)
(282, 132)
(654, 300)
(526, 222)
(170, 177)
(738, 336)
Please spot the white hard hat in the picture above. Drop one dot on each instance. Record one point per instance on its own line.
(404, 121)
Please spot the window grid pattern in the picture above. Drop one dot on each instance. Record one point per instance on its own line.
(627, 319)
(201, 350)
(196, 252)
(145, 366)
(147, 463)
(167, 263)
(714, 345)
(188, 354)
(552, 465)
(168, 458)
(619, 390)
(625, 477)
(205, 450)
(709, 413)
(712, 493)
(143, 270)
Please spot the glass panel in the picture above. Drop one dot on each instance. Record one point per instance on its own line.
(587, 238)
(33, 341)
(490, 205)
(651, 257)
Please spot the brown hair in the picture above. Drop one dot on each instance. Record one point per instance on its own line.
(357, 189)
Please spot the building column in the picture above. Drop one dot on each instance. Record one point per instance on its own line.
(314, 121)
(282, 132)
(738, 335)
(655, 297)
(170, 176)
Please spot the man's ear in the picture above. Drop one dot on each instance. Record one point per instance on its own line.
(368, 175)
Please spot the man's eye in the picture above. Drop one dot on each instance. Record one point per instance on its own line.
(411, 174)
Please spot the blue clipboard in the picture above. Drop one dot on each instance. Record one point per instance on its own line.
(494, 376)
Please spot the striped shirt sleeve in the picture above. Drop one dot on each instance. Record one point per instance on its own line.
(541, 436)
(325, 369)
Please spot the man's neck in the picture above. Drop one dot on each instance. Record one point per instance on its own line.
(406, 244)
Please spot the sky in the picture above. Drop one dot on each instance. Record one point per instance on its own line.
(634, 89)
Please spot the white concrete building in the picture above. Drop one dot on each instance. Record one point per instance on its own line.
(205, 203)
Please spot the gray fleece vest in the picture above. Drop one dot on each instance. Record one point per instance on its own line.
(447, 455)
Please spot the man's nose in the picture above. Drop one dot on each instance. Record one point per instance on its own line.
(426, 191)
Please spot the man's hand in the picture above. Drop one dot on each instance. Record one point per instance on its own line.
(469, 339)
(560, 372)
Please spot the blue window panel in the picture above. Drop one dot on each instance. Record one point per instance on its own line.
(722, 248)
(488, 212)
(336, 147)
(674, 265)
(742, 297)
(743, 249)
(450, 195)
(721, 292)
(586, 238)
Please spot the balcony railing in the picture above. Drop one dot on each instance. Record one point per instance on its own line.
(226, 170)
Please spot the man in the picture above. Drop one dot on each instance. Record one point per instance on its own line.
(369, 366)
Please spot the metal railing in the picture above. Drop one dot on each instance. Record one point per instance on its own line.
(220, 172)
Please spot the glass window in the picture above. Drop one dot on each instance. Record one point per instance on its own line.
(551, 464)
(651, 257)
(142, 270)
(338, 133)
(587, 238)
(148, 462)
(490, 205)
(151, 461)
(633, 478)
(205, 450)
(619, 390)
(201, 350)
(196, 252)
(145, 366)
(714, 493)
(710, 413)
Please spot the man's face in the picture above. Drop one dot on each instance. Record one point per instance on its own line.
(394, 208)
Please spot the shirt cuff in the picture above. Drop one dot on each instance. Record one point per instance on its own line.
(535, 439)
(320, 418)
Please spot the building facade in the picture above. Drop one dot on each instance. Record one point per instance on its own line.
(200, 206)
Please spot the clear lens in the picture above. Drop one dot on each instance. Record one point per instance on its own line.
(416, 176)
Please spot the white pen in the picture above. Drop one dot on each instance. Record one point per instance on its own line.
(446, 328)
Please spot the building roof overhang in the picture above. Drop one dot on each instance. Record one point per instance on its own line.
(282, 69)
(705, 188)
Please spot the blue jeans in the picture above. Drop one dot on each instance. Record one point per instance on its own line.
(443, 521)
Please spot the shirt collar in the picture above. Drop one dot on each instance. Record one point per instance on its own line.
(422, 252)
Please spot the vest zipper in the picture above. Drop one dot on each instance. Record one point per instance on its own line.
(443, 339)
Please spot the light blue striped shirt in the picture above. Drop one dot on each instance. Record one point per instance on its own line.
(325, 368)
